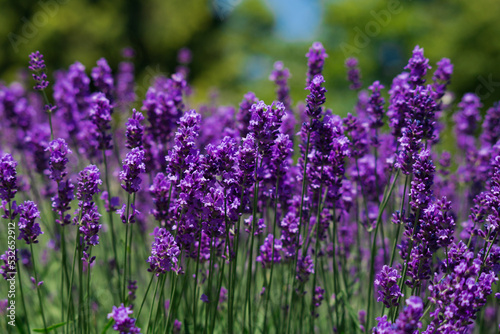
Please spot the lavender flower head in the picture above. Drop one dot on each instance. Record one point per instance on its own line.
(468, 116)
(103, 78)
(316, 97)
(8, 269)
(442, 77)
(375, 106)
(123, 322)
(28, 228)
(418, 66)
(184, 56)
(353, 74)
(37, 65)
(423, 179)
(100, 115)
(133, 166)
(89, 180)
(58, 159)
(8, 177)
(164, 253)
(315, 60)
(280, 76)
(266, 252)
(388, 288)
(135, 130)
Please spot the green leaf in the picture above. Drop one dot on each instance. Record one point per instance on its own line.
(50, 328)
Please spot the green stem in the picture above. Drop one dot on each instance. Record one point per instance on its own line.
(145, 295)
(152, 304)
(38, 289)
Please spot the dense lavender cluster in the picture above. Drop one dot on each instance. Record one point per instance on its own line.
(360, 223)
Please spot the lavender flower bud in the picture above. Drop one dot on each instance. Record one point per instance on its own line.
(37, 65)
(133, 166)
(8, 177)
(315, 61)
(316, 97)
(28, 228)
(353, 74)
(135, 130)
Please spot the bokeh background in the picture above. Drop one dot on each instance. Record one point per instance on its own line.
(235, 42)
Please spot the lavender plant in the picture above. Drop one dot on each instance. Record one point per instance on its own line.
(233, 221)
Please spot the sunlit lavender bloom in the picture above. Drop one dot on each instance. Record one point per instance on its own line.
(123, 323)
(37, 65)
(133, 167)
(58, 159)
(315, 60)
(135, 130)
(418, 66)
(29, 230)
(353, 73)
(164, 253)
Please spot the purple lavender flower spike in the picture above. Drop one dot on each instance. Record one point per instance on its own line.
(164, 253)
(159, 190)
(123, 322)
(58, 159)
(135, 130)
(388, 288)
(353, 73)
(280, 76)
(244, 115)
(467, 120)
(103, 79)
(8, 269)
(316, 97)
(100, 115)
(89, 225)
(423, 172)
(28, 228)
(125, 84)
(89, 180)
(266, 252)
(375, 106)
(418, 66)
(410, 145)
(315, 61)
(133, 167)
(442, 77)
(37, 65)
(491, 126)
(8, 178)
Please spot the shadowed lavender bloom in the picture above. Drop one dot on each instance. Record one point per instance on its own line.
(442, 77)
(317, 299)
(37, 139)
(418, 66)
(266, 252)
(37, 65)
(131, 288)
(408, 321)
(467, 120)
(58, 159)
(491, 126)
(244, 115)
(89, 225)
(280, 76)
(315, 61)
(388, 288)
(135, 130)
(357, 133)
(159, 191)
(8, 269)
(8, 177)
(29, 230)
(305, 267)
(184, 56)
(423, 179)
(265, 124)
(421, 107)
(353, 74)
(375, 106)
(281, 151)
(177, 327)
(164, 253)
(396, 112)
(133, 213)
(133, 166)
(316, 97)
(100, 115)
(103, 79)
(123, 323)
(125, 85)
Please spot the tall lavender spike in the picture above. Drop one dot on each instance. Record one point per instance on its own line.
(418, 66)
(316, 97)
(103, 79)
(8, 178)
(315, 61)
(280, 76)
(135, 130)
(133, 167)
(353, 73)
(28, 228)
(37, 65)
(100, 114)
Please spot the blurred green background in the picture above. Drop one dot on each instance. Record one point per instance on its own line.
(235, 42)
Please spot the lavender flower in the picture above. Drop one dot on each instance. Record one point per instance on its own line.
(423, 172)
(388, 288)
(88, 184)
(315, 61)
(58, 159)
(418, 66)
(135, 130)
(8, 269)
(266, 252)
(442, 77)
(8, 177)
(37, 65)
(100, 114)
(317, 299)
(159, 190)
(103, 79)
(133, 166)
(89, 225)
(316, 97)
(164, 253)
(29, 230)
(375, 107)
(123, 322)
(244, 115)
(280, 76)
(491, 126)
(353, 75)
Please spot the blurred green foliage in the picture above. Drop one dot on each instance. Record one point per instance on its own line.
(235, 42)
